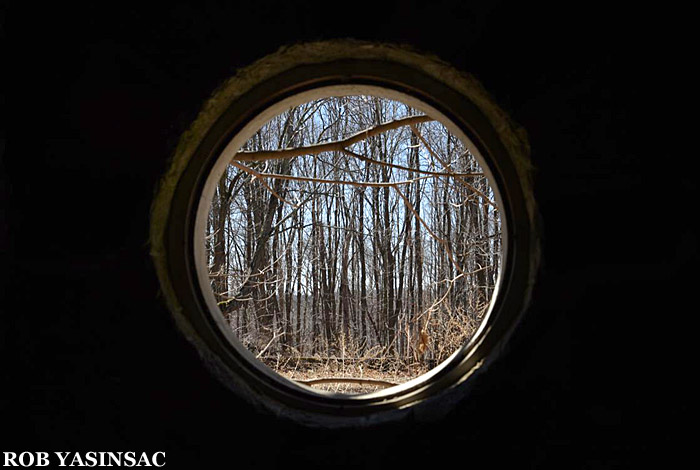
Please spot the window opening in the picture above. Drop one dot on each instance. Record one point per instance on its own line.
(352, 243)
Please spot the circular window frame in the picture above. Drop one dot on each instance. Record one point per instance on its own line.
(237, 106)
(228, 154)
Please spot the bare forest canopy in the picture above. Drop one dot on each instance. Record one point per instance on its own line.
(353, 229)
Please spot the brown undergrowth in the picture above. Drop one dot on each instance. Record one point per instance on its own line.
(346, 367)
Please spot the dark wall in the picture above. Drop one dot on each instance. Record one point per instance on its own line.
(94, 361)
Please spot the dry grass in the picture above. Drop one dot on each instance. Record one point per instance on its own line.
(448, 330)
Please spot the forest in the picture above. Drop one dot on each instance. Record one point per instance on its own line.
(354, 242)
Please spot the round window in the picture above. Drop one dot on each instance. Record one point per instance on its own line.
(347, 233)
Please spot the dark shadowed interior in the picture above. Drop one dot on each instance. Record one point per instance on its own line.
(591, 378)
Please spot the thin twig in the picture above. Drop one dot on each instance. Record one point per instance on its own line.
(274, 337)
(260, 178)
(449, 168)
(432, 234)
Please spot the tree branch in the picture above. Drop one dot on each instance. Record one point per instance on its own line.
(320, 180)
(352, 380)
(260, 178)
(401, 167)
(338, 145)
